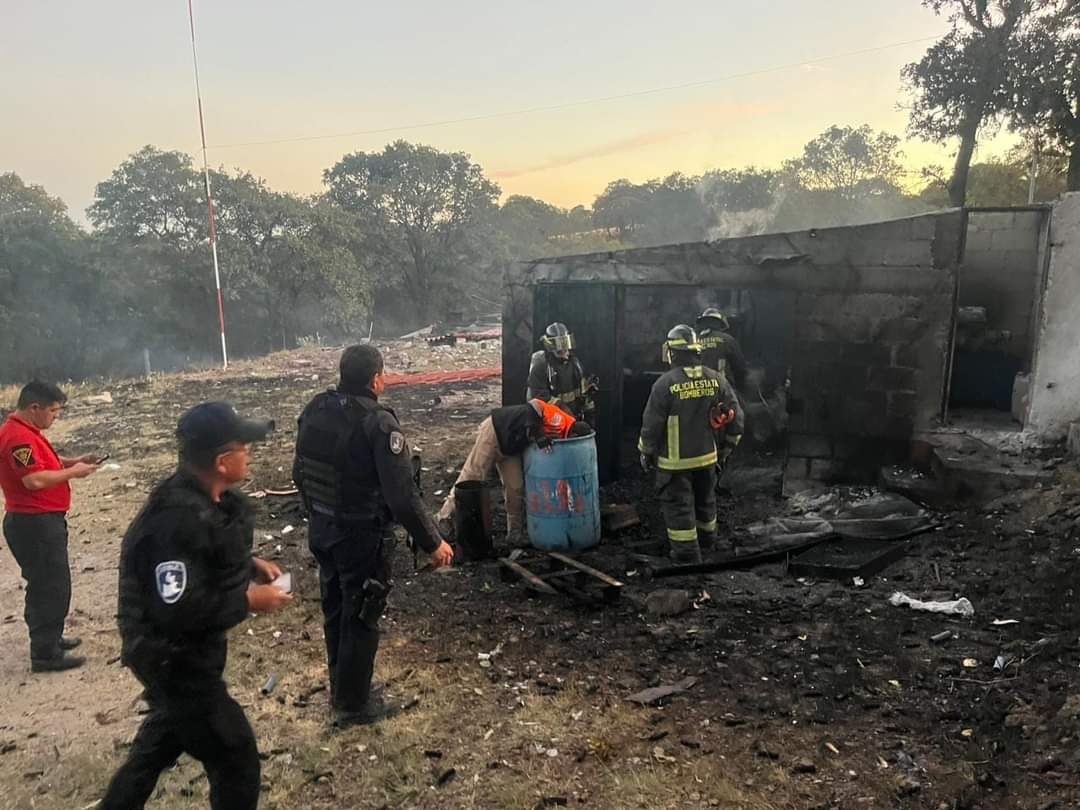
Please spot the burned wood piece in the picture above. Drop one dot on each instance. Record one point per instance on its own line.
(658, 693)
(530, 578)
(846, 558)
(567, 576)
(611, 582)
(656, 567)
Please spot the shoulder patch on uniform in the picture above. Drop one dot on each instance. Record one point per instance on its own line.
(171, 580)
(23, 455)
(397, 442)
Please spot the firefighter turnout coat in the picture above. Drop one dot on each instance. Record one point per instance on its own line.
(675, 427)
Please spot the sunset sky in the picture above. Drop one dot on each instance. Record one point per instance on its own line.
(735, 83)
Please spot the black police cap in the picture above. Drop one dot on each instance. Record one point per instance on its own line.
(210, 425)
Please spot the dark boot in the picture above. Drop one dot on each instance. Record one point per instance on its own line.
(706, 541)
(684, 552)
(69, 642)
(57, 663)
(376, 709)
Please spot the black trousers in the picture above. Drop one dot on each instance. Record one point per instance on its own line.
(688, 503)
(347, 558)
(211, 728)
(39, 544)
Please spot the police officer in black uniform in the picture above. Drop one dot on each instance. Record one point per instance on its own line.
(690, 409)
(356, 479)
(720, 351)
(557, 376)
(185, 571)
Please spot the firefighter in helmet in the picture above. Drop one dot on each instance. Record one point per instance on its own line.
(691, 423)
(557, 376)
(719, 350)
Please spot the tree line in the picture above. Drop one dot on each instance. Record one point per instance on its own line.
(410, 234)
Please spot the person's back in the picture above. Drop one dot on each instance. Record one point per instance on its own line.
(719, 349)
(336, 470)
(686, 406)
(356, 480)
(678, 414)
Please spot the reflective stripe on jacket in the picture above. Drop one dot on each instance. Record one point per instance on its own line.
(675, 427)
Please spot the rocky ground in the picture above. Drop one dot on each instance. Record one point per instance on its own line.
(798, 693)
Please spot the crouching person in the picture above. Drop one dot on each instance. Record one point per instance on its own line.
(501, 442)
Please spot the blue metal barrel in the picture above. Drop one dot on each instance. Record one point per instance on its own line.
(562, 495)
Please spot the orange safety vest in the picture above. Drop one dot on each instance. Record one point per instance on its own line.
(557, 422)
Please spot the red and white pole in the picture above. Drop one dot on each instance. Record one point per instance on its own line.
(209, 196)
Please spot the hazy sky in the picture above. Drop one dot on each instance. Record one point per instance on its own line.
(85, 84)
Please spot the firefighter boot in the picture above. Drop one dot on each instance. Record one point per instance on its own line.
(684, 552)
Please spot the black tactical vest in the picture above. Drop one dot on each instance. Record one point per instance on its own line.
(335, 471)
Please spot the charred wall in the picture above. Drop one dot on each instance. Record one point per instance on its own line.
(861, 316)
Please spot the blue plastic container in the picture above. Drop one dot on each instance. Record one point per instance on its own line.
(562, 495)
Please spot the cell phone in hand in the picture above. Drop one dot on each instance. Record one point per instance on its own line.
(283, 583)
(102, 459)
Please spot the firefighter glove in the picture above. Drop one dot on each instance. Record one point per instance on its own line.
(721, 415)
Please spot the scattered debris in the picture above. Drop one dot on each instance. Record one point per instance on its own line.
(660, 756)
(846, 558)
(617, 517)
(565, 575)
(944, 635)
(658, 693)
(956, 607)
(485, 658)
(104, 398)
(269, 686)
(667, 602)
(445, 777)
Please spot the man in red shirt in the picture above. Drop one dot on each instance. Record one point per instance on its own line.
(37, 495)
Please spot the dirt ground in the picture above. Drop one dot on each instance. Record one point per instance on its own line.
(806, 694)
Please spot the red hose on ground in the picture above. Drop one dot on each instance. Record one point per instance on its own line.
(435, 377)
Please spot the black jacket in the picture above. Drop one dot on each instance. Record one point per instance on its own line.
(372, 478)
(675, 426)
(721, 352)
(516, 427)
(560, 382)
(185, 566)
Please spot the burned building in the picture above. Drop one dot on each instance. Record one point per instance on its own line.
(871, 330)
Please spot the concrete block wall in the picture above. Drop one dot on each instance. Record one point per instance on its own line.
(1055, 383)
(862, 316)
(1002, 271)
(650, 313)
